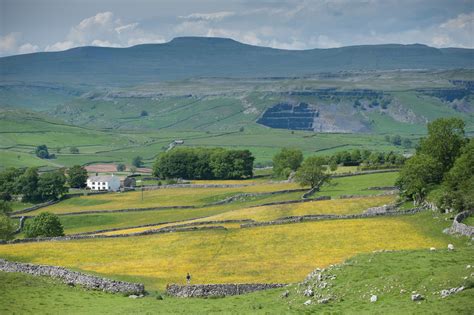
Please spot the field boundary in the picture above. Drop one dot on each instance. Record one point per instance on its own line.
(73, 277)
(320, 217)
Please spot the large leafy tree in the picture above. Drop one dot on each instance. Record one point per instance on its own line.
(7, 228)
(27, 185)
(286, 161)
(51, 185)
(445, 140)
(77, 176)
(42, 151)
(419, 174)
(45, 225)
(457, 191)
(8, 186)
(313, 173)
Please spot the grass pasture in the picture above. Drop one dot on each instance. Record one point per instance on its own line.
(267, 213)
(262, 254)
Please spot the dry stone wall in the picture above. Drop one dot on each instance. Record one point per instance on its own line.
(317, 217)
(460, 228)
(208, 290)
(73, 277)
(80, 237)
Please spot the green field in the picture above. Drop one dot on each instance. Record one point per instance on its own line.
(384, 274)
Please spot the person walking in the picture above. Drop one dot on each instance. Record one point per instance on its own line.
(188, 279)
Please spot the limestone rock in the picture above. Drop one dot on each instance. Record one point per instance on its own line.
(307, 302)
(417, 297)
(373, 298)
(450, 247)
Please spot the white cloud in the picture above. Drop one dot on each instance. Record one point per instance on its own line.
(9, 43)
(12, 44)
(60, 46)
(28, 48)
(214, 16)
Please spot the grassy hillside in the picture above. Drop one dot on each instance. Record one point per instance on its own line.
(189, 57)
(262, 254)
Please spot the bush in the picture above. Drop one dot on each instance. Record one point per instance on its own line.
(7, 228)
(74, 150)
(44, 225)
(137, 161)
(42, 151)
(121, 167)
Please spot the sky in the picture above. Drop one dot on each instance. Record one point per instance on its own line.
(28, 26)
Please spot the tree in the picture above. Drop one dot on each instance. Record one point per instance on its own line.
(7, 228)
(8, 183)
(42, 151)
(121, 167)
(45, 225)
(137, 161)
(51, 185)
(133, 170)
(74, 150)
(445, 140)
(144, 113)
(312, 173)
(406, 143)
(419, 174)
(27, 185)
(397, 140)
(5, 208)
(77, 176)
(457, 190)
(287, 160)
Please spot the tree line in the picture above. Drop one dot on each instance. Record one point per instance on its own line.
(31, 186)
(289, 160)
(442, 170)
(204, 163)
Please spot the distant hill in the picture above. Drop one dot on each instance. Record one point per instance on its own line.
(189, 57)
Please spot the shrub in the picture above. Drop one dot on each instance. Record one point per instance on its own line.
(121, 167)
(45, 225)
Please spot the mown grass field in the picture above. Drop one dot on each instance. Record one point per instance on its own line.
(284, 253)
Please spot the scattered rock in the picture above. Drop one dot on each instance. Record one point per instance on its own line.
(323, 301)
(432, 249)
(468, 267)
(450, 247)
(417, 297)
(308, 292)
(373, 298)
(402, 291)
(323, 285)
(133, 296)
(307, 302)
(448, 292)
(285, 294)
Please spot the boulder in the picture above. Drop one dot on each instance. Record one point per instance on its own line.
(373, 298)
(450, 247)
(307, 302)
(417, 297)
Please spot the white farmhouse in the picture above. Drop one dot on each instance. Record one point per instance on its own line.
(104, 182)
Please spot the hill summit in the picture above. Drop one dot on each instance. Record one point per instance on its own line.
(191, 57)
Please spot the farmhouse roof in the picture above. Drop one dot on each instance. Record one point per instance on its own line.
(102, 178)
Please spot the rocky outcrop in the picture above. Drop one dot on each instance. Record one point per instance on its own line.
(73, 277)
(460, 228)
(218, 290)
